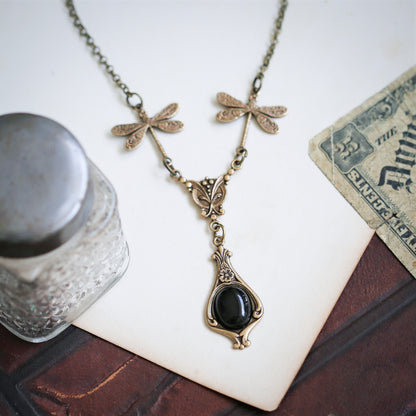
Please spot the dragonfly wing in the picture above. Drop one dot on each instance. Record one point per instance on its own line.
(266, 123)
(134, 140)
(230, 114)
(167, 112)
(125, 129)
(228, 101)
(275, 111)
(169, 126)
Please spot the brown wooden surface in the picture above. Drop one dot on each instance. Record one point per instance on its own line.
(363, 363)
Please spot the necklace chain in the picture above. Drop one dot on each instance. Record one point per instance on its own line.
(258, 80)
(134, 99)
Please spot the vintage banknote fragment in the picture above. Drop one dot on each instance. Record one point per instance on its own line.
(370, 156)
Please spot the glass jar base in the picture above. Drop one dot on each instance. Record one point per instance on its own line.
(51, 333)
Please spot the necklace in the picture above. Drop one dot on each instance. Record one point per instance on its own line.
(233, 308)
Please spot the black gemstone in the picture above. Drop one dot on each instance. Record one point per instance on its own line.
(232, 307)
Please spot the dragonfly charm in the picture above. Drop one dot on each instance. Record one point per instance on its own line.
(236, 109)
(136, 131)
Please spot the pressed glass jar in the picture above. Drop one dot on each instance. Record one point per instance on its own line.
(61, 242)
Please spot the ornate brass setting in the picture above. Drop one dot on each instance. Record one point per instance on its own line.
(227, 276)
(209, 194)
(136, 131)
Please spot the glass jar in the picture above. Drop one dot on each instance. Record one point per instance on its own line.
(61, 243)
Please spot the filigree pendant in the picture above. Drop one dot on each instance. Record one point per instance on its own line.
(233, 308)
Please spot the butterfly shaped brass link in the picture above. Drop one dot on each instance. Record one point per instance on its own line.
(136, 131)
(209, 194)
(236, 109)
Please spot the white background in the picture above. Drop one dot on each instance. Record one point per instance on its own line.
(295, 239)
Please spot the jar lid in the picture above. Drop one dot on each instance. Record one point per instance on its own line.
(45, 186)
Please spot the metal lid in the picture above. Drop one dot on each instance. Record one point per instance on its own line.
(45, 186)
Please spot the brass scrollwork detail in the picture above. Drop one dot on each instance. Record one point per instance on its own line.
(218, 233)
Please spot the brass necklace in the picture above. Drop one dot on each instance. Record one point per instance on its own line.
(233, 308)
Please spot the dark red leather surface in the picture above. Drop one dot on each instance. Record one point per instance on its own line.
(362, 364)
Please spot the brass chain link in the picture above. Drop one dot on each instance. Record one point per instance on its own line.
(168, 164)
(240, 155)
(258, 79)
(133, 99)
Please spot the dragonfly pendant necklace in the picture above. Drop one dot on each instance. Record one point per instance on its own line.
(233, 308)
